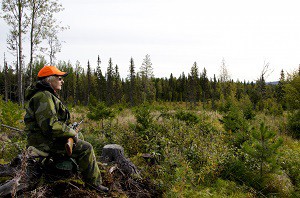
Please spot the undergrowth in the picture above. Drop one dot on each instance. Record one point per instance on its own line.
(191, 153)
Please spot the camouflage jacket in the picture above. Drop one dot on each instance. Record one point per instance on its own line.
(47, 118)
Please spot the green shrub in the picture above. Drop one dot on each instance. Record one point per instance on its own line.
(246, 106)
(290, 161)
(263, 147)
(234, 120)
(188, 117)
(293, 124)
(272, 107)
(100, 112)
(236, 126)
(11, 114)
(11, 142)
(143, 117)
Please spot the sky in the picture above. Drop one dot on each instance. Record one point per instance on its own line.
(177, 33)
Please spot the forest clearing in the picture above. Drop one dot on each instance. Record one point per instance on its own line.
(191, 152)
(183, 135)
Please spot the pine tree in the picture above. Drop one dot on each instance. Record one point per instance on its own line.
(263, 147)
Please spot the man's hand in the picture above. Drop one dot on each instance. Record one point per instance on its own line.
(72, 141)
(75, 138)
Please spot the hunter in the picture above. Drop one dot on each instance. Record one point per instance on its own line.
(48, 125)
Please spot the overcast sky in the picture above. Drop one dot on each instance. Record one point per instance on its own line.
(177, 33)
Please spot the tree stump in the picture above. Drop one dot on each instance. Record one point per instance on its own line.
(114, 153)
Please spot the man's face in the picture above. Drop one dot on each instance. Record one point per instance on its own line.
(57, 82)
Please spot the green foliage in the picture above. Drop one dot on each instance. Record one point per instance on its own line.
(236, 126)
(143, 117)
(290, 162)
(292, 92)
(11, 114)
(100, 112)
(272, 107)
(188, 117)
(11, 141)
(145, 129)
(234, 120)
(246, 106)
(262, 147)
(293, 124)
(199, 158)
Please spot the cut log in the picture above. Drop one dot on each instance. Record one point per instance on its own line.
(24, 169)
(8, 187)
(6, 170)
(114, 153)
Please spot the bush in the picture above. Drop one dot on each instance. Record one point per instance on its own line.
(234, 121)
(237, 127)
(293, 124)
(143, 117)
(246, 106)
(188, 117)
(290, 161)
(272, 107)
(100, 112)
(11, 114)
(11, 141)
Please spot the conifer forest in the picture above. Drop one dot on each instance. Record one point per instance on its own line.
(188, 136)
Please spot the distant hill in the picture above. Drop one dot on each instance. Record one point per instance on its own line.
(273, 83)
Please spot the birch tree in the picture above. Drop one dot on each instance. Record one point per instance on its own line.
(14, 15)
(41, 23)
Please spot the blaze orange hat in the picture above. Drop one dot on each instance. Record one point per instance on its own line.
(50, 71)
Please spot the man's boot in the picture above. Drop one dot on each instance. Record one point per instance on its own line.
(102, 188)
(99, 188)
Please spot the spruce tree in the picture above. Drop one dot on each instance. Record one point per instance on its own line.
(117, 85)
(193, 85)
(204, 83)
(214, 93)
(109, 85)
(182, 87)
(131, 78)
(280, 89)
(89, 82)
(101, 82)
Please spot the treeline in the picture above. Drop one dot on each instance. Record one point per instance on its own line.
(82, 86)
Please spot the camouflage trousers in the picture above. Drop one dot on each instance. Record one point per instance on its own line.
(84, 155)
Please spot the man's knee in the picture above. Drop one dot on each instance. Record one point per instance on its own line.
(83, 146)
